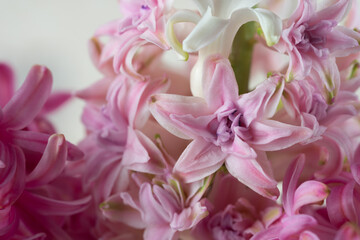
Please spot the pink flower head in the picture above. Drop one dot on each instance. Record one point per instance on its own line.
(144, 23)
(294, 224)
(313, 38)
(30, 161)
(228, 128)
(163, 209)
(116, 145)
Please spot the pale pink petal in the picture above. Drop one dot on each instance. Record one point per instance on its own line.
(199, 160)
(253, 173)
(7, 84)
(51, 164)
(295, 225)
(114, 209)
(219, 82)
(28, 100)
(189, 217)
(154, 213)
(263, 101)
(310, 192)
(185, 117)
(158, 232)
(142, 155)
(335, 12)
(289, 184)
(341, 205)
(271, 135)
(95, 49)
(241, 149)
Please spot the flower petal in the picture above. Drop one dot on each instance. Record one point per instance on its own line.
(219, 82)
(310, 192)
(206, 31)
(28, 100)
(183, 116)
(199, 160)
(51, 207)
(254, 173)
(51, 164)
(289, 184)
(7, 84)
(271, 135)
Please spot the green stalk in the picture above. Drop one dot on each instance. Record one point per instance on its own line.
(241, 54)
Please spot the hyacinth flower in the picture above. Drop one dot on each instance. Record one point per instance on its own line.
(215, 29)
(164, 208)
(235, 211)
(227, 128)
(306, 106)
(313, 39)
(143, 23)
(29, 206)
(115, 145)
(294, 224)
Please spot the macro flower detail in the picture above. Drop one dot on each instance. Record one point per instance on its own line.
(256, 136)
(227, 128)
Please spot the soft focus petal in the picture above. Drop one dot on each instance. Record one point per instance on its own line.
(28, 100)
(51, 164)
(7, 84)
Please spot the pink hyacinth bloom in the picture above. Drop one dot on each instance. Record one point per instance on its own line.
(313, 39)
(163, 209)
(294, 224)
(144, 23)
(115, 145)
(235, 211)
(227, 128)
(29, 162)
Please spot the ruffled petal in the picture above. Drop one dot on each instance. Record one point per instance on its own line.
(199, 160)
(271, 135)
(183, 116)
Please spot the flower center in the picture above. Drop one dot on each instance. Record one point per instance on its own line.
(313, 38)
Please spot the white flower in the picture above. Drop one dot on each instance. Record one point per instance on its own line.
(215, 29)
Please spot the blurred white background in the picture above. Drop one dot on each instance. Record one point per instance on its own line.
(55, 33)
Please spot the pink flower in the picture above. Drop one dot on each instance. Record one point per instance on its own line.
(30, 161)
(295, 224)
(313, 40)
(163, 208)
(144, 23)
(227, 128)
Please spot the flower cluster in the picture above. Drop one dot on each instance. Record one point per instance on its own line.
(188, 149)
